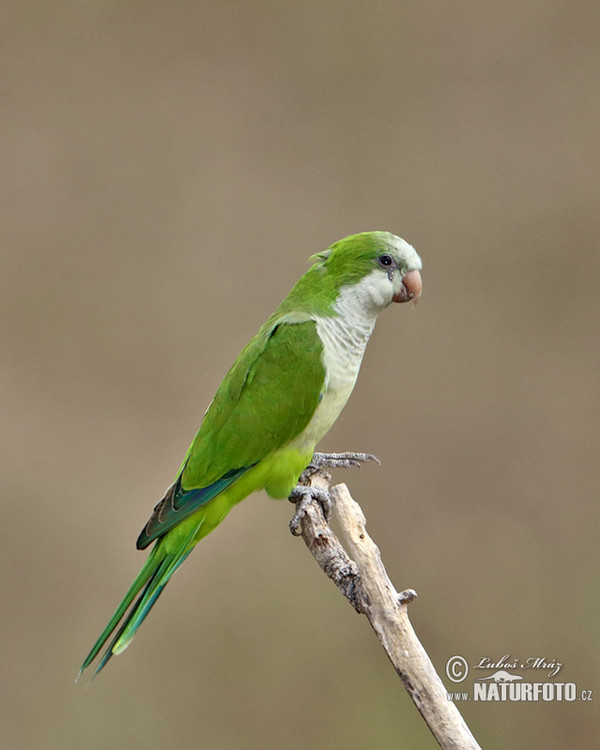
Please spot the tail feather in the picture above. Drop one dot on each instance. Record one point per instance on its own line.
(146, 601)
(147, 587)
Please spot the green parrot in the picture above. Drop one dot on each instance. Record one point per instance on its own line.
(283, 393)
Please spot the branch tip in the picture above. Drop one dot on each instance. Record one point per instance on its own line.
(407, 596)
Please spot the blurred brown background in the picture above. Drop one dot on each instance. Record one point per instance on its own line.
(167, 170)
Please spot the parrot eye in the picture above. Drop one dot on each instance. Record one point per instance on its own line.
(385, 260)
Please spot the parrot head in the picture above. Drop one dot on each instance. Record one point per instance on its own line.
(376, 268)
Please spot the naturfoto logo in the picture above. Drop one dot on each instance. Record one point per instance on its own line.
(504, 684)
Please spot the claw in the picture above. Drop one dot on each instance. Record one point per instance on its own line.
(336, 461)
(303, 496)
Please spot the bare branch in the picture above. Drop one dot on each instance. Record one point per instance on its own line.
(364, 582)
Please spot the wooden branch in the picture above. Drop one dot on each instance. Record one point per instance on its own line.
(364, 582)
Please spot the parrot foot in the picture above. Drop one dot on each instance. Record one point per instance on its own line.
(336, 461)
(303, 496)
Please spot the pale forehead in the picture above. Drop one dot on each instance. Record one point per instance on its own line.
(405, 251)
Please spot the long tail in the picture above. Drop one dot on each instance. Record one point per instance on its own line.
(147, 587)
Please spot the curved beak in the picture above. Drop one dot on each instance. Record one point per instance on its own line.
(411, 288)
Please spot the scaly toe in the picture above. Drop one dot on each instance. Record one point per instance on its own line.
(336, 461)
(303, 496)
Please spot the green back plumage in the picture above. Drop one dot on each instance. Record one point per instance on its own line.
(265, 400)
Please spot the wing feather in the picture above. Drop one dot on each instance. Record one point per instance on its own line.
(266, 399)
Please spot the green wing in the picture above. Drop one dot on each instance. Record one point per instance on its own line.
(266, 399)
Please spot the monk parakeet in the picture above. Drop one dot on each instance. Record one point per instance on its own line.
(285, 390)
